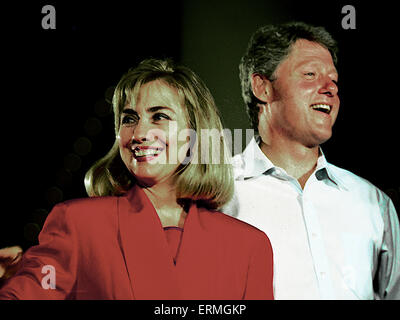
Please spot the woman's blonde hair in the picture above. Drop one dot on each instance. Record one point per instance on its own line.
(208, 184)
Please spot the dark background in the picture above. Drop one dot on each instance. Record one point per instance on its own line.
(56, 120)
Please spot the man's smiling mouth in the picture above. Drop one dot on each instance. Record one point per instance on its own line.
(325, 108)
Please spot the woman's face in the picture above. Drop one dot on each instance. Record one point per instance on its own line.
(149, 141)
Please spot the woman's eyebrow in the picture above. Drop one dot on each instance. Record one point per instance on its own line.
(157, 108)
(129, 111)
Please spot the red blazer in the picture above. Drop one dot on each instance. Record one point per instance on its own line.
(115, 248)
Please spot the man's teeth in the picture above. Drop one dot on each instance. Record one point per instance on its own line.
(322, 107)
(146, 152)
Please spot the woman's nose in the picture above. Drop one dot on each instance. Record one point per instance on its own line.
(147, 131)
(141, 131)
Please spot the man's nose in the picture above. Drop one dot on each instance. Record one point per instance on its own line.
(329, 87)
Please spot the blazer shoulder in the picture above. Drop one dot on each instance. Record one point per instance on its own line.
(90, 201)
(86, 208)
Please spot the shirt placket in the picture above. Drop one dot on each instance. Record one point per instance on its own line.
(316, 244)
(314, 233)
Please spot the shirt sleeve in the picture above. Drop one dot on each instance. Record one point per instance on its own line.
(48, 270)
(387, 277)
(260, 273)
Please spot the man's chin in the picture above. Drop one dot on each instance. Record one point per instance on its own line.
(318, 139)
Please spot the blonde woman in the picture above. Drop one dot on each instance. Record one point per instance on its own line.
(151, 229)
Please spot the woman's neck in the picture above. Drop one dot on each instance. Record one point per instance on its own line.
(163, 198)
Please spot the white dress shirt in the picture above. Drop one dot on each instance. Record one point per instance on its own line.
(336, 239)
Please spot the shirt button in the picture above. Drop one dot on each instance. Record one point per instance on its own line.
(322, 274)
(314, 235)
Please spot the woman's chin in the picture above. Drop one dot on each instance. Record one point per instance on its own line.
(145, 182)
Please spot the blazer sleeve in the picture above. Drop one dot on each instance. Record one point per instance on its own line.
(260, 273)
(48, 270)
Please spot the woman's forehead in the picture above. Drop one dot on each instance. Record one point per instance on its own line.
(157, 96)
(156, 92)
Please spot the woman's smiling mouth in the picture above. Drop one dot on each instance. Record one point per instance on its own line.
(146, 153)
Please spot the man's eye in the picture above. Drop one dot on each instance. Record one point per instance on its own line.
(309, 74)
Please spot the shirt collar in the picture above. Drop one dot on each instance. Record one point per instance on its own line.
(325, 170)
(256, 163)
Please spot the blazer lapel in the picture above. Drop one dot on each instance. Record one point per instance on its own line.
(198, 259)
(198, 240)
(149, 264)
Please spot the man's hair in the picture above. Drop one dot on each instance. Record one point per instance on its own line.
(267, 48)
(208, 184)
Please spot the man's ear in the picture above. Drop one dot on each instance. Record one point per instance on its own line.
(262, 88)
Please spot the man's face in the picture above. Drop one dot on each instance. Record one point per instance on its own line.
(306, 102)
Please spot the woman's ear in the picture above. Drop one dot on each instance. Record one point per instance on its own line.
(262, 88)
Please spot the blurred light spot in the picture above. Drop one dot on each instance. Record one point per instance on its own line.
(108, 95)
(93, 126)
(53, 195)
(31, 231)
(82, 146)
(102, 108)
(40, 215)
(63, 178)
(72, 162)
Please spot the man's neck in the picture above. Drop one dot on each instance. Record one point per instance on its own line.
(297, 160)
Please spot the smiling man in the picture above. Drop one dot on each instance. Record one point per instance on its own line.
(334, 234)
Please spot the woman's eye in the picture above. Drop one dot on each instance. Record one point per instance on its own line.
(128, 120)
(160, 116)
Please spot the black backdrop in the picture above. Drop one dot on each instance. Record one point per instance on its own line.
(56, 120)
